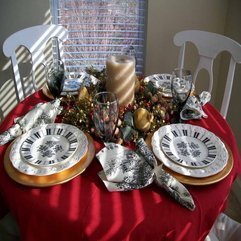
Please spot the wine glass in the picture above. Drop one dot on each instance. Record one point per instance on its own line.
(181, 86)
(105, 115)
(55, 75)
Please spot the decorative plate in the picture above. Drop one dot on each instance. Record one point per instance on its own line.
(204, 180)
(73, 85)
(189, 148)
(48, 149)
(52, 145)
(53, 179)
(162, 82)
(211, 153)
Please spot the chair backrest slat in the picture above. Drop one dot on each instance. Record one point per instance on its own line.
(34, 39)
(209, 45)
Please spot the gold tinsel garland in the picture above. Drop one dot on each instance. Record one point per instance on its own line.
(149, 111)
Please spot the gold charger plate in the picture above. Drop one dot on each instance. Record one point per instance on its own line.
(53, 179)
(200, 181)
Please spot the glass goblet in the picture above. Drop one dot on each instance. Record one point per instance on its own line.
(105, 115)
(181, 86)
(55, 75)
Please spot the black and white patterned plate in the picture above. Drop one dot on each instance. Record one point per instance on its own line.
(161, 82)
(190, 150)
(72, 85)
(48, 149)
(49, 145)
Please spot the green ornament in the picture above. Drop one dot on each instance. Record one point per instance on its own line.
(128, 133)
(128, 119)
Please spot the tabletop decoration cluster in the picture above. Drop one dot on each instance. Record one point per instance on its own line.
(149, 111)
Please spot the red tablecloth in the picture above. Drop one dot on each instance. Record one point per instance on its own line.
(82, 209)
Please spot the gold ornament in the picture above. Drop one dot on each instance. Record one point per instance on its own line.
(143, 119)
(83, 93)
(137, 85)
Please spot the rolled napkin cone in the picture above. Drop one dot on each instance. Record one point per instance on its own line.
(193, 107)
(42, 113)
(10, 134)
(164, 179)
(174, 188)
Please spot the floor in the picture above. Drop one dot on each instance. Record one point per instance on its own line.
(9, 230)
(234, 202)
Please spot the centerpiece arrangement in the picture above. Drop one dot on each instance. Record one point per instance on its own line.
(149, 110)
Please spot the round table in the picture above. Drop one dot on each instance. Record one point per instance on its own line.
(83, 209)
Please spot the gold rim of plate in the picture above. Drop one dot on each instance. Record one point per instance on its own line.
(204, 180)
(53, 179)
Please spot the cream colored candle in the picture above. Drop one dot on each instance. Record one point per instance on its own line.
(121, 77)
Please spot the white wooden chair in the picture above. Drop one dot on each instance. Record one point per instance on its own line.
(209, 45)
(34, 39)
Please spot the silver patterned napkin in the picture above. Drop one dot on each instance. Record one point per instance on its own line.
(42, 113)
(193, 107)
(164, 179)
(125, 169)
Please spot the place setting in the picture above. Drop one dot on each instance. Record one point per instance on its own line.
(44, 153)
(48, 155)
(192, 154)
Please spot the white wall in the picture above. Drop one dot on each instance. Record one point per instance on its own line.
(16, 15)
(167, 17)
(233, 31)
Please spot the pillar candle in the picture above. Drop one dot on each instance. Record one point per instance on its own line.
(121, 78)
